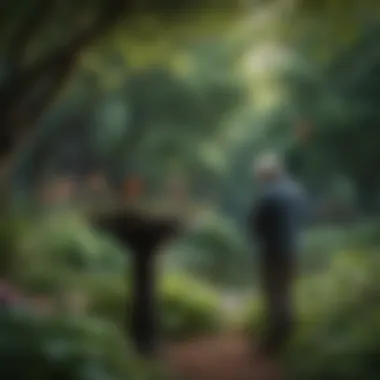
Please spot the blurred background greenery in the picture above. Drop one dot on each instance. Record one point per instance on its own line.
(127, 99)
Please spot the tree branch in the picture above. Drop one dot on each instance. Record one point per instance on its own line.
(34, 110)
(27, 31)
(4, 14)
(18, 86)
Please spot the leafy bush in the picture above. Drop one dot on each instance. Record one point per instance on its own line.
(66, 241)
(60, 255)
(189, 308)
(215, 251)
(109, 296)
(339, 335)
(63, 347)
(11, 228)
(321, 244)
(186, 307)
(366, 235)
(339, 321)
(54, 251)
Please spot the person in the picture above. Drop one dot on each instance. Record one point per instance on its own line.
(275, 222)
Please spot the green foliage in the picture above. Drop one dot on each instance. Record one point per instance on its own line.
(57, 249)
(339, 321)
(322, 243)
(156, 120)
(340, 104)
(60, 346)
(215, 251)
(63, 257)
(109, 296)
(189, 308)
(186, 307)
(366, 235)
(11, 227)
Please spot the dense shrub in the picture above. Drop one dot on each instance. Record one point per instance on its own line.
(12, 227)
(59, 256)
(51, 253)
(186, 308)
(189, 308)
(66, 241)
(321, 244)
(366, 235)
(216, 251)
(64, 347)
(339, 337)
(339, 321)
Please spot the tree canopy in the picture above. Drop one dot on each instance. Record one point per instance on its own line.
(42, 42)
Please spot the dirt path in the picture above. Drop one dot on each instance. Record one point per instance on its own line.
(225, 357)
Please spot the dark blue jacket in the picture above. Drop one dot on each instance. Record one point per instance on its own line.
(278, 215)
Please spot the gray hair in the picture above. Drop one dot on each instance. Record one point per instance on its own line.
(268, 163)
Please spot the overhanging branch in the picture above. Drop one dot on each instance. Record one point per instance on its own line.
(27, 31)
(19, 85)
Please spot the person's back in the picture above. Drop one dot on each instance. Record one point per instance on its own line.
(281, 210)
(275, 222)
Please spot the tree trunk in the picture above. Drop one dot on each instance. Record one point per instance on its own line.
(22, 79)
